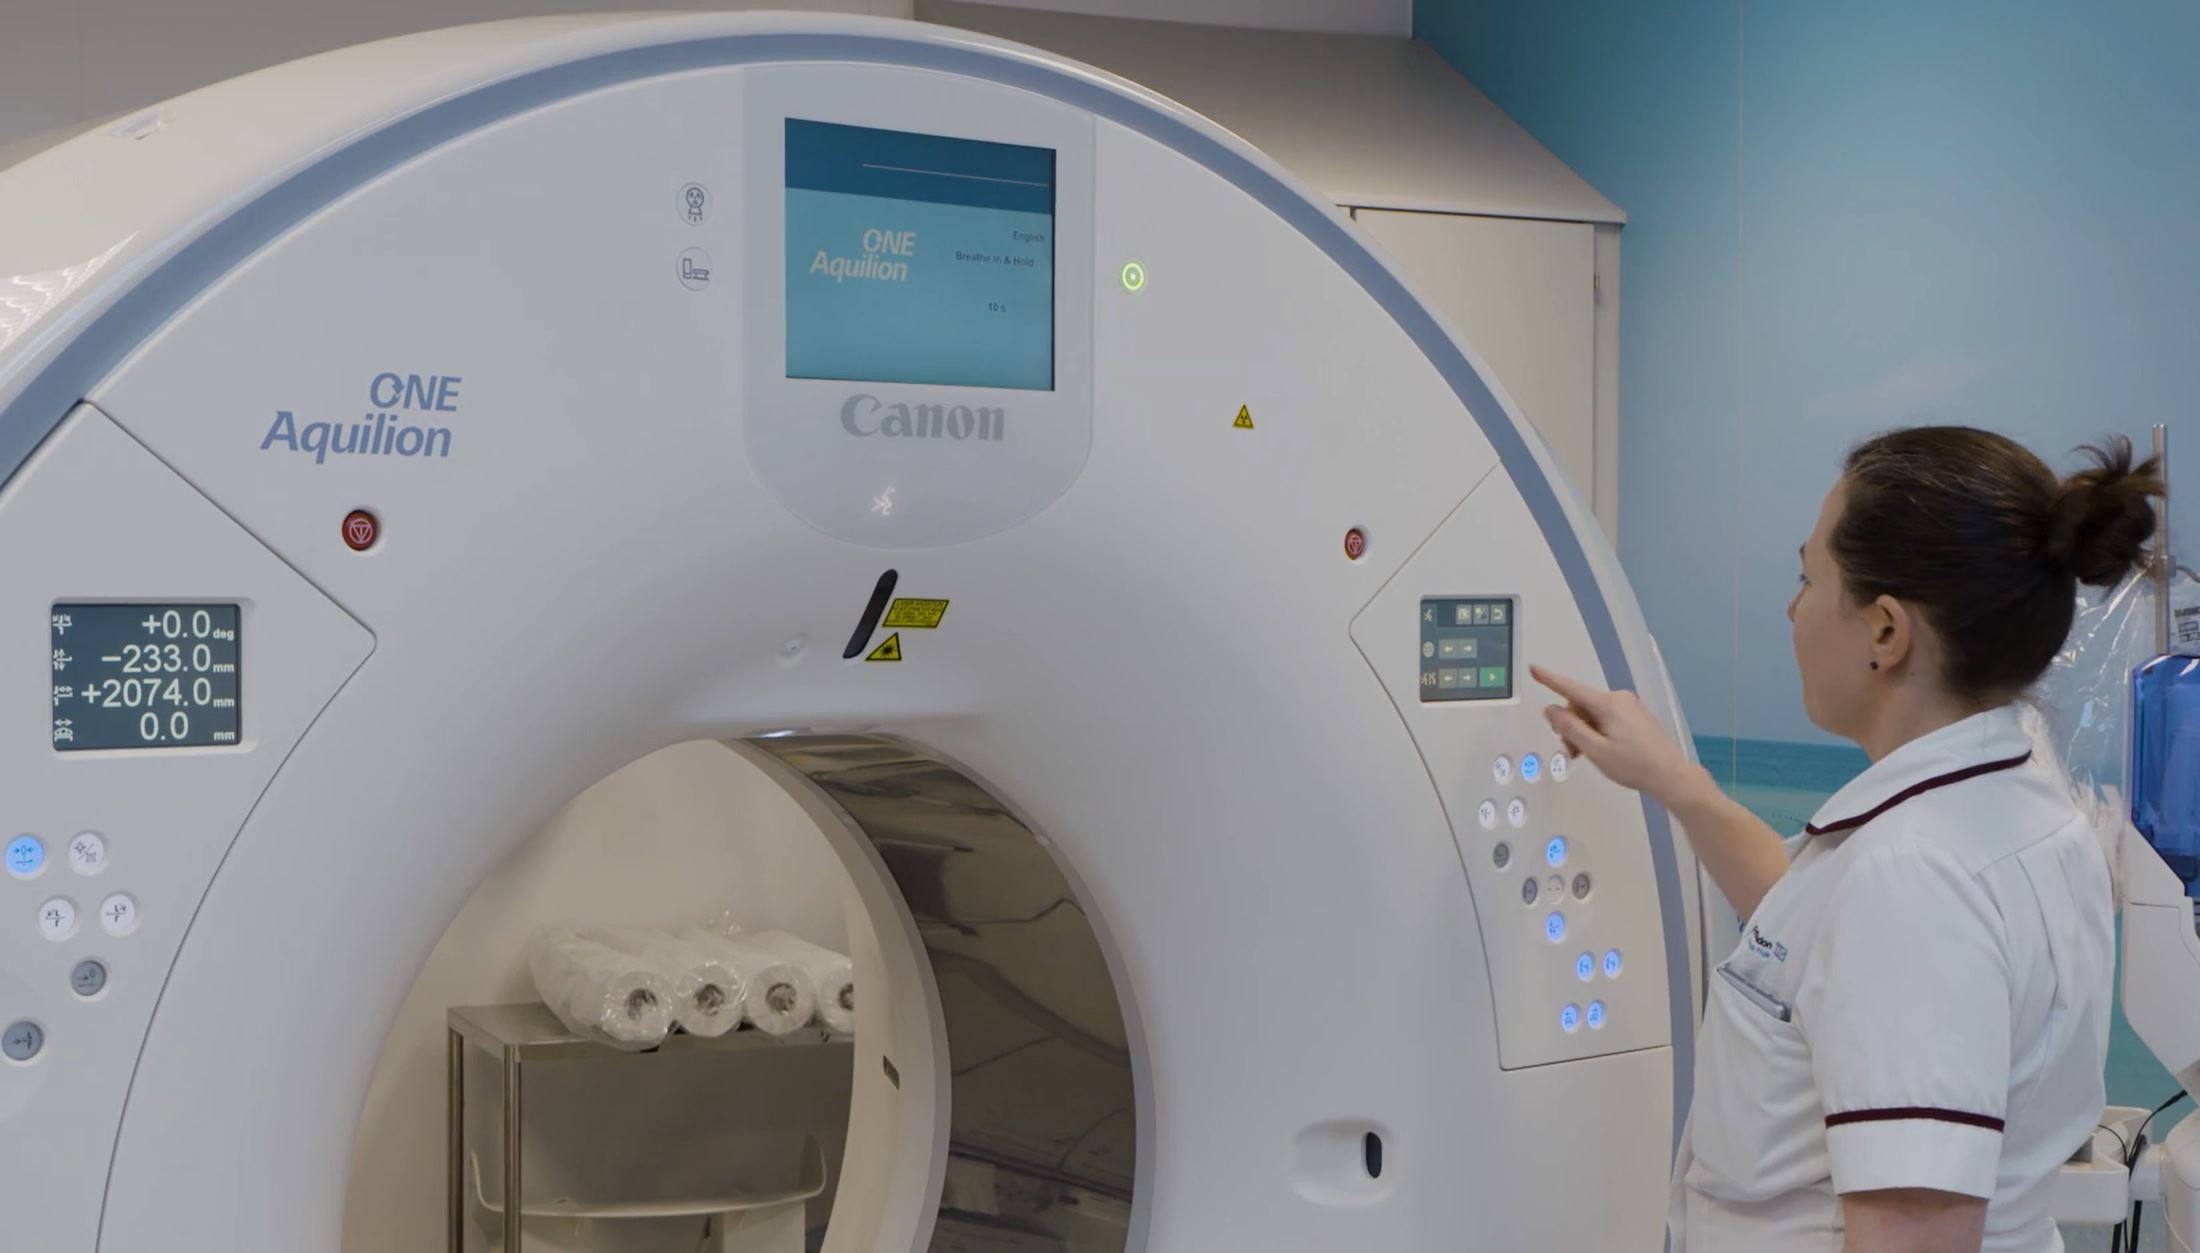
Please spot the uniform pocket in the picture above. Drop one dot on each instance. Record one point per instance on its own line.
(1758, 1128)
(1777, 1009)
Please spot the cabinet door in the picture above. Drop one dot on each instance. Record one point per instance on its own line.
(1524, 294)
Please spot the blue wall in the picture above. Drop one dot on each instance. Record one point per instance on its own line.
(1847, 217)
(1843, 218)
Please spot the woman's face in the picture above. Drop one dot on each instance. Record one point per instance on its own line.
(1833, 641)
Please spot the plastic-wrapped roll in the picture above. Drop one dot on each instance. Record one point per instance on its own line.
(599, 992)
(778, 997)
(833, 973)
(706, 992)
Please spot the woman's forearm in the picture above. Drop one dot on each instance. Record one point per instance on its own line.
(1743, 855)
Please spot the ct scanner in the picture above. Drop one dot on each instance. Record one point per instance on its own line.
(397, 441)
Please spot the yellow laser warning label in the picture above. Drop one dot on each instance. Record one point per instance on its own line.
(1244, 418)
(888, 651)
(921, 615)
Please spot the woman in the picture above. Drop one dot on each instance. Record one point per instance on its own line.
(1908, 1040)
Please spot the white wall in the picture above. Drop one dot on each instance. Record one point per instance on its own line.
(1356, 17)
(67, 64)
(674, 837)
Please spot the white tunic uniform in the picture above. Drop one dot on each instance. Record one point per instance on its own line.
(1921, 1001)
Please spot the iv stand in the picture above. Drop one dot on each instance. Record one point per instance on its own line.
(2165, 566)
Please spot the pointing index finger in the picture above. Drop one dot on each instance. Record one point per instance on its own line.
(1572, 690)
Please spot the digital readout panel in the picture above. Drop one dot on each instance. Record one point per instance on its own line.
(145, 676)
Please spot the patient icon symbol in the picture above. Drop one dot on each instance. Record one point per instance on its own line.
(694, 203)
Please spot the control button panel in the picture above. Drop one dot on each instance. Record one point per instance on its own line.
(149, 826)
(1579, 874)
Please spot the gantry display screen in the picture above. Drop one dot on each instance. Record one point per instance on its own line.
(918, 258)
(1467, 647)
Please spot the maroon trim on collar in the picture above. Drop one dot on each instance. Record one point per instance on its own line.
(1916, 790)
(1917, 1112)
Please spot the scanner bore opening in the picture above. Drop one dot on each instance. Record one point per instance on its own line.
(1033, 1062)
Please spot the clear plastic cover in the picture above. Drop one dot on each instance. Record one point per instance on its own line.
(706, 992)
(2085, 696)
(598, 992)
(2084, 701)
(833, 973)
(778, 996)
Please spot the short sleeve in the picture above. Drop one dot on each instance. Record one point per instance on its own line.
(1906, 1005)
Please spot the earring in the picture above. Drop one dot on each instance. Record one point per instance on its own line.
(1875, 665)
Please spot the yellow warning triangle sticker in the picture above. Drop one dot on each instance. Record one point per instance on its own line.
(1244, 418)
(888, 651)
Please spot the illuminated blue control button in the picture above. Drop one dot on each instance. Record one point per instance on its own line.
(1569, 1019)
(1611, 963)
(1531, 768)
(1554, 926)
(1596, 1015)
(1585, 967)
(1555, 851)
(26, 856)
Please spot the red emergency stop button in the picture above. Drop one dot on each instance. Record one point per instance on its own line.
(361, 530)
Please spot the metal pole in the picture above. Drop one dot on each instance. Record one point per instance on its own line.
(456, 1113)
(511, 1150)
(2165, 565)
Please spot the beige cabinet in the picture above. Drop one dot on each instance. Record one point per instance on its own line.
(1525, 294)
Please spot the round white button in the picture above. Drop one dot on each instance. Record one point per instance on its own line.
(1516, 813)
(57, 918)
(118, 914)
(1502, 769)
(1487, 815)
(88, 852)
(1569, 1019)
(1558, 767)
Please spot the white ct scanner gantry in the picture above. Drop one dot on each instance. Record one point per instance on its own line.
(1131, 575)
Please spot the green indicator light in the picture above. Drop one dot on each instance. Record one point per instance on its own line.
(1134, 276)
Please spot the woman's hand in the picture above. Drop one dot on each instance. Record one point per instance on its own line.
(1613, 732)
(1616, 734)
